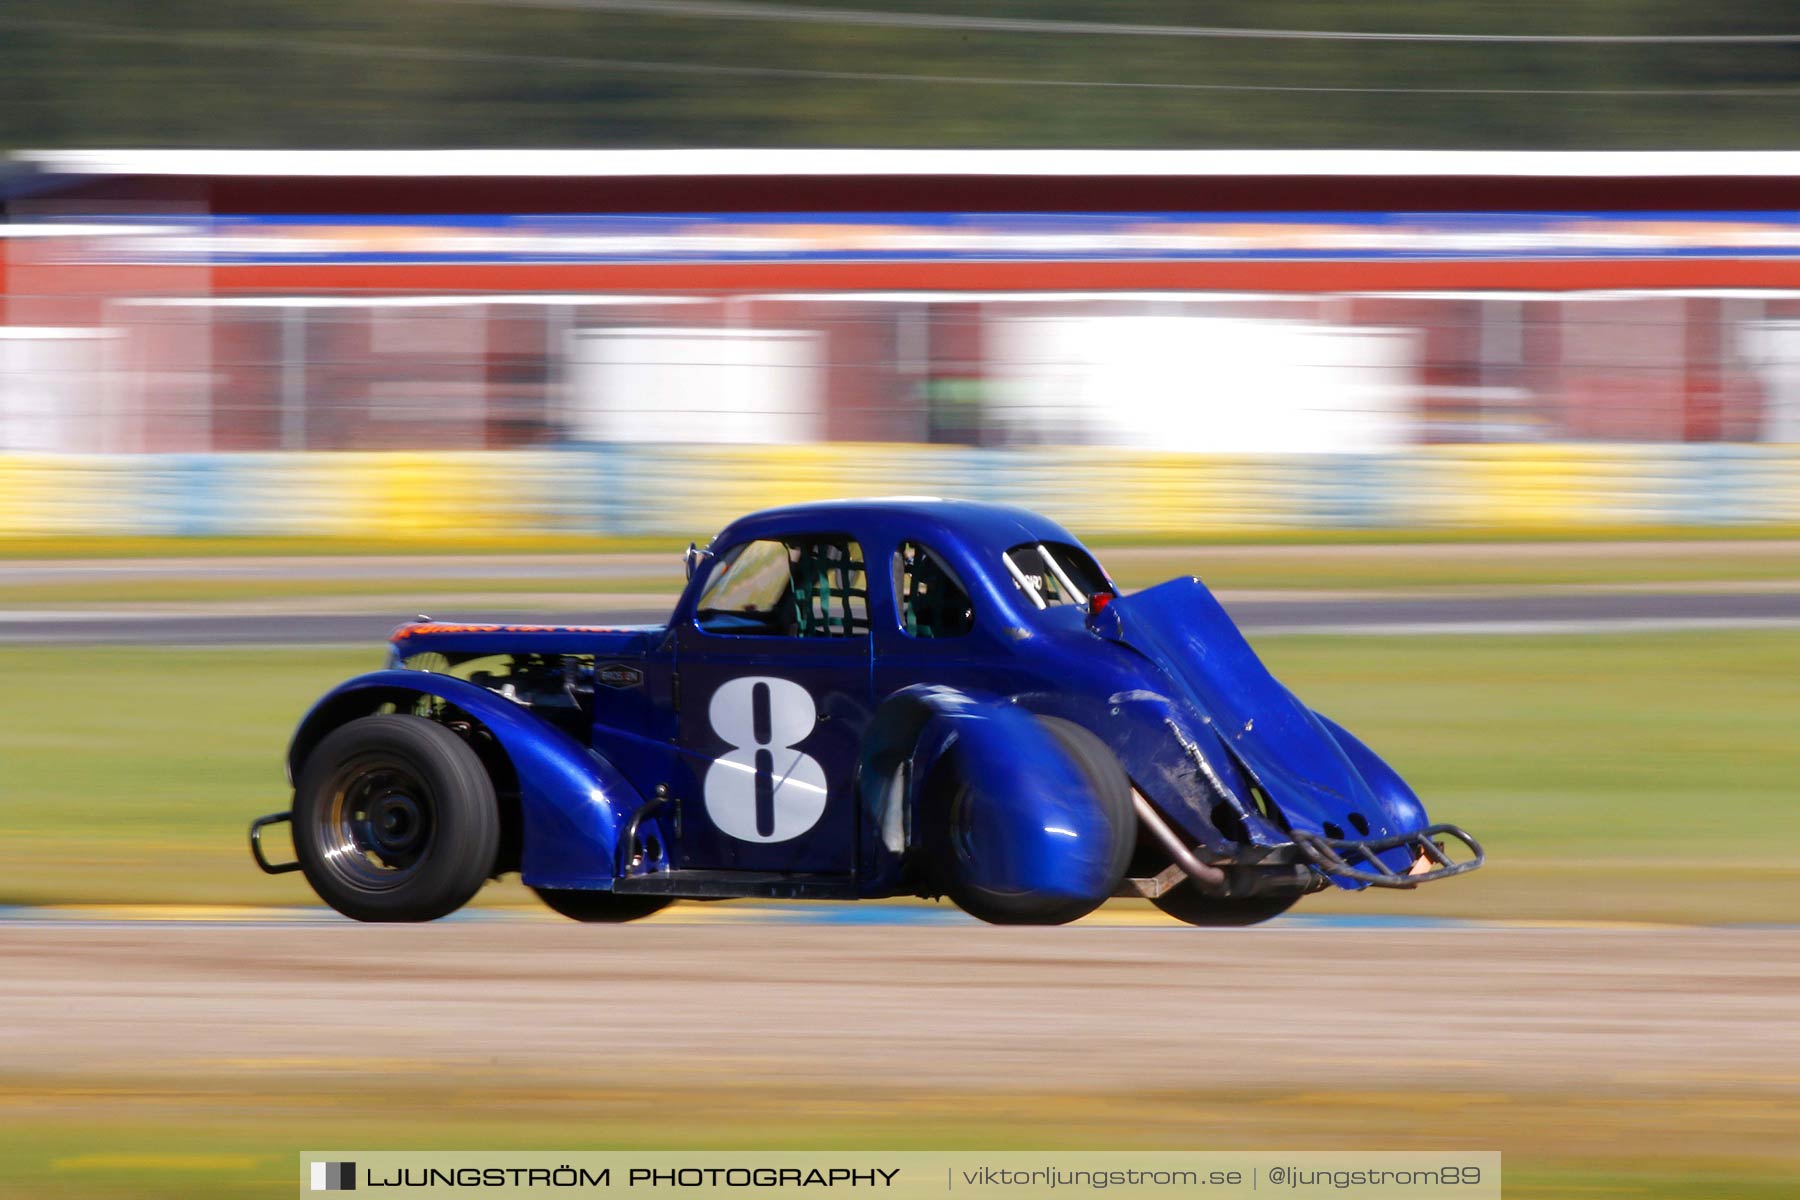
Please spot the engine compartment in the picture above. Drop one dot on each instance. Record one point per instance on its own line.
(557, 687)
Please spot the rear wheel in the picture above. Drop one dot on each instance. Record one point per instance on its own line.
(1188, 903)
(395, 820)
(605, 908)
(951, 845)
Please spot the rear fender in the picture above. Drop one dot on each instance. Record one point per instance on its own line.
(1400, 804)
(1033, 809)
(1178, 762)
(573, 804)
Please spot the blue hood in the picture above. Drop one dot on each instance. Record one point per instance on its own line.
(1313, 777)
(602, 641)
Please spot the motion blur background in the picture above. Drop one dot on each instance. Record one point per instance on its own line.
(1189, 341)
(1456, 347)
(303, 343)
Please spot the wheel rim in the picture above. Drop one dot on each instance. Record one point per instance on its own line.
(378, 827)
(962, 827)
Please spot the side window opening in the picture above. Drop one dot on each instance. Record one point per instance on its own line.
(933, 603)
(810, 587)
(831, 590)
(1054, 573)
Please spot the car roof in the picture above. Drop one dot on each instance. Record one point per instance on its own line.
(998, 525)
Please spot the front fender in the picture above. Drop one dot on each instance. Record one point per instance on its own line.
(1034, 813)
(573, 804)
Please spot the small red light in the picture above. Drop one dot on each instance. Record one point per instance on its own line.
(1098, 601)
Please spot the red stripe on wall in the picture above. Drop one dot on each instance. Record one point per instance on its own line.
(1339, 276)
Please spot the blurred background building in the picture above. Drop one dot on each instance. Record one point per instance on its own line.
(1491, 322)
(1187, 339)
(313, 342)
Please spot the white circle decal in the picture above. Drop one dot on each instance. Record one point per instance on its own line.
(764, 790)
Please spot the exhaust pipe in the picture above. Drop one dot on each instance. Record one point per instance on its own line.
(1208, 877)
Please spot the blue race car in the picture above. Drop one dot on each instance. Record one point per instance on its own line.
(851, 700)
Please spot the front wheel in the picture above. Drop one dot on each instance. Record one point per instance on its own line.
(603, 908)
(1185, 902)
(395, 820)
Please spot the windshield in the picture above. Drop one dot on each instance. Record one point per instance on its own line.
(1054, 573)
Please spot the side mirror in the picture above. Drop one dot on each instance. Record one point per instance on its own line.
(692, 558)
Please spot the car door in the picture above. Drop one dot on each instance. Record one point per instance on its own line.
(774, 676)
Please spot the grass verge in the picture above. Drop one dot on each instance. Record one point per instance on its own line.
(1412, 568)
(1642, 776)
(233, 1135)
(547, 543)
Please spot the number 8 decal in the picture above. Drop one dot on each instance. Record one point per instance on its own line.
(764, 790)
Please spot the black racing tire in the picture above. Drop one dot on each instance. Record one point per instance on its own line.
(601, 908)
(395, 820)
(1110, 785)
(1185, 902)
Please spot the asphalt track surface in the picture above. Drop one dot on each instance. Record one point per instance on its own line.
(944, 1004)
(1560, 613)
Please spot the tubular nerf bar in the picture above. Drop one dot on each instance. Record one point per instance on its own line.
(1351, 859)
(256, 850)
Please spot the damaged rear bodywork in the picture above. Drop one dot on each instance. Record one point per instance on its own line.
(1268, 783)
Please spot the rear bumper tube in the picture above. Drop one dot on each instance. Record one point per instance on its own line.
(1305, 864)
(1361, 860)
